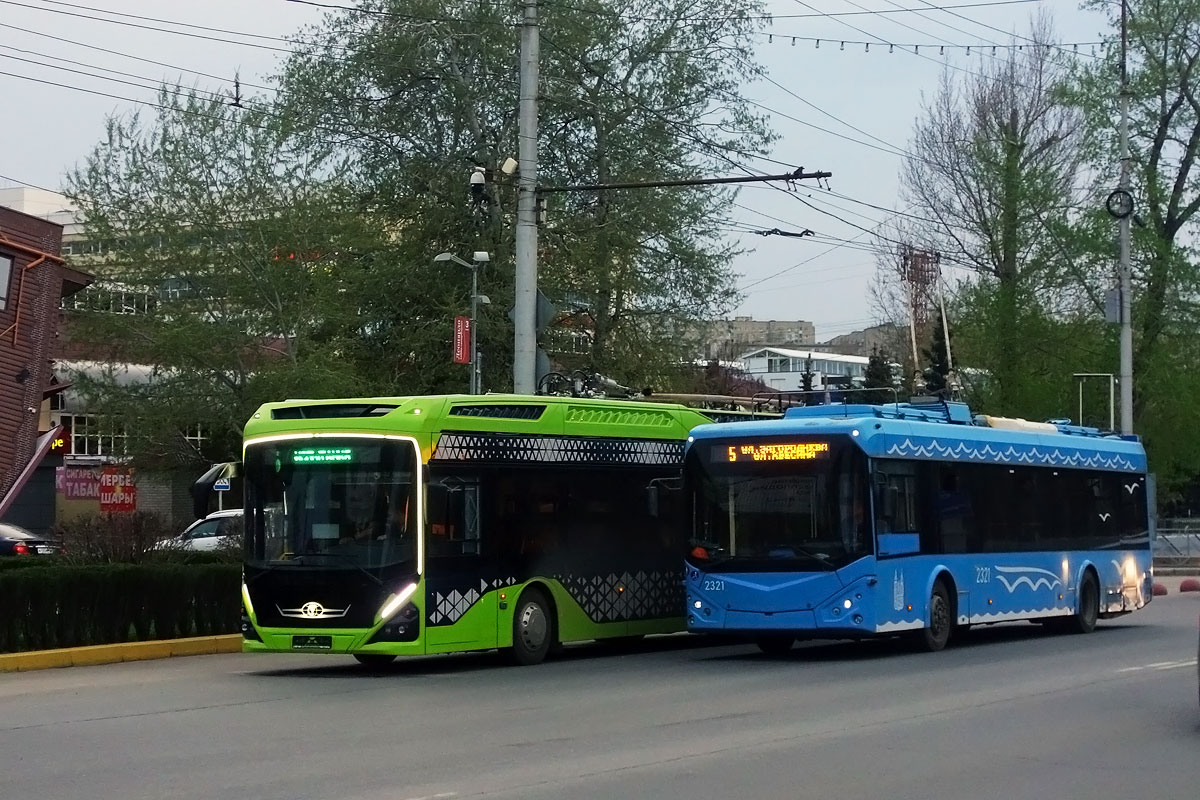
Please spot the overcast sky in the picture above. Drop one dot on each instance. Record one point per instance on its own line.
(49, 128)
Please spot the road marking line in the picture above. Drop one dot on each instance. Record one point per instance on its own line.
(1159, 666)
(438, 796)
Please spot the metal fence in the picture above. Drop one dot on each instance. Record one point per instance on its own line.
(1177, 543)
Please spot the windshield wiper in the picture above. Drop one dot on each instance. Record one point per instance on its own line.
(298, 559)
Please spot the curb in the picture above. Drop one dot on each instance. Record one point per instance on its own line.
(115, 653)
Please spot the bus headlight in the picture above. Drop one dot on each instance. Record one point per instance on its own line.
(395, 602)
(246, 600)
(1130, 572)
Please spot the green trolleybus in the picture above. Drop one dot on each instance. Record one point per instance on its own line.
(384, 527)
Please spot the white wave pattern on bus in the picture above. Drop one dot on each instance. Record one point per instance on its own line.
(1032, 577)
(964, 451)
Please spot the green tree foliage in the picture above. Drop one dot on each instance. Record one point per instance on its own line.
(238, 254)
(937, 356)
(1164, 84)
(284, 248)
(420, 103)
(878, 376)
(992, 166)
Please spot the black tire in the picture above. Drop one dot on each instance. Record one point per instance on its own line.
(936, 635)
(374, 660)
(775, 645)
(535, 628)
(1084, 620)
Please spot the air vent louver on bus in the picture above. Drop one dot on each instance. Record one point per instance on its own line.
(602, 415)
(332, 411)
(498, 411)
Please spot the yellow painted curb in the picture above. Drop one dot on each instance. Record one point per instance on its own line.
(114, 653)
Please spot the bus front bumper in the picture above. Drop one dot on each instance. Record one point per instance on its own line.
(325, 641)
(847, 614)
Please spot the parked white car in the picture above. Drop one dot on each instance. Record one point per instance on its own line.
(218, 529)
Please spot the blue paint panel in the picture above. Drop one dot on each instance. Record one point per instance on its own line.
(892, 595)
(908, 432)
(898, 544)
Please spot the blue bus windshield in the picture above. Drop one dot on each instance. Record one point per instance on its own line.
(777, 505)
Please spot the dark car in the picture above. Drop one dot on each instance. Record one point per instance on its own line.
(16, 541)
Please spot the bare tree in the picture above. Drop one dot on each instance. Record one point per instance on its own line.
(993, 159)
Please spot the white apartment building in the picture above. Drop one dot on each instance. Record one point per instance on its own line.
(783, 369)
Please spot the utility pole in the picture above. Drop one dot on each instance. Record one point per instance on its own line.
(525, 305)
(1124, 269)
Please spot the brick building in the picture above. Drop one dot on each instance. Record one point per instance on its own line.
(33, 282)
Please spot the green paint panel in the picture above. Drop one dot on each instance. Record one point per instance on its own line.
(476, 630)
(486, 624)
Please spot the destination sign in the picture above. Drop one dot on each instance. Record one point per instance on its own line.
(323, 455)
(776, 451)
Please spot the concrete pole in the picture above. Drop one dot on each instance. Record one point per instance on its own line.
(525, 305)
(1124, 269)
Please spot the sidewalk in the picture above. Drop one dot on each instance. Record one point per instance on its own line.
(114, 653)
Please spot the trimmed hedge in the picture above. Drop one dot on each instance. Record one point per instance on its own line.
(46, 607)
(187, 557)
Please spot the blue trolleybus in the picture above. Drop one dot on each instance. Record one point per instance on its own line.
(857, 520)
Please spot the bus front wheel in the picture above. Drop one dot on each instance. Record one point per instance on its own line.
(1085, 618)
(937, 634)
(533, 628)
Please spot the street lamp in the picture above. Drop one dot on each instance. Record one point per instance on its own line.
(479, 258)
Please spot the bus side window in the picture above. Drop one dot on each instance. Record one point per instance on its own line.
(453, 515)
(952, 507)
(896, 497)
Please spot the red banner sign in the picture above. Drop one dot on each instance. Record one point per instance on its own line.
(462, 340)
(118, 493)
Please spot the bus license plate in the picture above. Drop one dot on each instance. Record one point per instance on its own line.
(312, 642)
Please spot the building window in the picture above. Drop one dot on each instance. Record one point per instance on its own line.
(93, 435)
(194, 434)
(6, 265)
(114, 299)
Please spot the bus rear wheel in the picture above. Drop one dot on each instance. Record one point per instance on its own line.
(935, 636)
(775, 645)
(533, 629)
(1085, 618)
(374, 660)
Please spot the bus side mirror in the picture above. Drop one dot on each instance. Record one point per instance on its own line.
(652, 504)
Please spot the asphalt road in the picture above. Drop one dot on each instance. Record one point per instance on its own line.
(1010, 712)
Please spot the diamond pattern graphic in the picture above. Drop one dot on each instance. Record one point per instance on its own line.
(523, 449)
(647, 595)
(447, 608)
